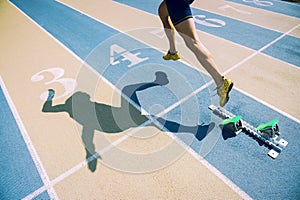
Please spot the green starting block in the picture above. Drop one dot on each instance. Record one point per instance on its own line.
(270, 129)
(267, 133)
(233, 124)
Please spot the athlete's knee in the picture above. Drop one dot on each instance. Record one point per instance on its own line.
(192, 44)
(197, 48)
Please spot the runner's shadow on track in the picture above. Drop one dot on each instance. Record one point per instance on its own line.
(199, 131)
(110, 119)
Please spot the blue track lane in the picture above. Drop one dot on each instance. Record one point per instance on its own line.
(241, 159)
(18, 174)
(286, 49)
(239, 32)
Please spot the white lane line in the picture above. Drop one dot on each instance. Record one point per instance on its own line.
(37, 192)
(34, 155)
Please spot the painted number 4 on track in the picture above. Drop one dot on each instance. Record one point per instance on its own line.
(116, 52)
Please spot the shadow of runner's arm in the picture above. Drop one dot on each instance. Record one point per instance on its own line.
(48, 107)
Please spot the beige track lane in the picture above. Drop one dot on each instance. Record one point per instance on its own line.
(271, 80)
(296, 33)
(185, 179)
(26, 50)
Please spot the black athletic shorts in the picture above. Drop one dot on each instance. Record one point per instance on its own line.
(179, 10)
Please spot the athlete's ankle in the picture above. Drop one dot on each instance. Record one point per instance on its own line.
(172, 52)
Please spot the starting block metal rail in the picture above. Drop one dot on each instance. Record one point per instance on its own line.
(266, 133)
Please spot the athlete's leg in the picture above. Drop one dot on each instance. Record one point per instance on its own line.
(187, 30)
(168, 26)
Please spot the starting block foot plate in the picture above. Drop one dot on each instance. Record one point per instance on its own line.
(273, 154)
(282, 143)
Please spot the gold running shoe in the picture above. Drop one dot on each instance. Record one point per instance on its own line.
(223, 91)
(171, 56)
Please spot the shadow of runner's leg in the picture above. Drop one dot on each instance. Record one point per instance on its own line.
(161, 79)
(91, 156)
(199, 131)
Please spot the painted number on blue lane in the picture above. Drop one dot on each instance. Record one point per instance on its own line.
(209, 22)
(116, 51)
(259, 3)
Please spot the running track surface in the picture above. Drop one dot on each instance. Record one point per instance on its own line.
(85, 46)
